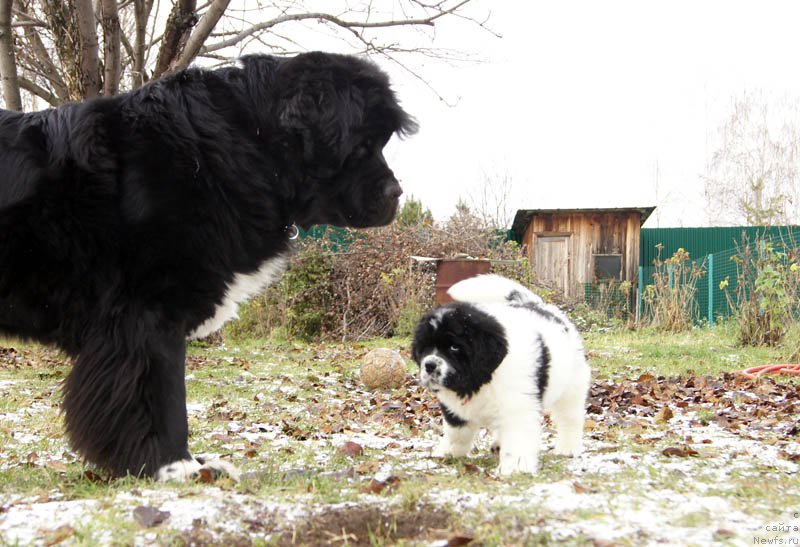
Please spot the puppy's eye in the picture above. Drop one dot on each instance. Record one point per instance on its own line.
(454, 348)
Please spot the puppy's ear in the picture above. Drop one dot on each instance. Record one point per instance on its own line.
(422, 336)
(489, 346)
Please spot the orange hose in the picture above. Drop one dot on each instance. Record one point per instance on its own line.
(756, 372)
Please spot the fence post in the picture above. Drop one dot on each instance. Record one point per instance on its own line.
(710, 291)
(639, 295)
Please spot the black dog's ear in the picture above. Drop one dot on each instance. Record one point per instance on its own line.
(260, 73)
(320, 111)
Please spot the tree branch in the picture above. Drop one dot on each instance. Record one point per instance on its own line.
(200, 34)
(349, 25)
(40, 57)
(180, 23)
(39, 91)
(9, 80)
(141, 11)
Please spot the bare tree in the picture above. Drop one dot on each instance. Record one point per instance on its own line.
(752, 177)
(66, 50)
(492, 200)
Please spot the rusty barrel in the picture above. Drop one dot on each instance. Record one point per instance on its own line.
(450, 271)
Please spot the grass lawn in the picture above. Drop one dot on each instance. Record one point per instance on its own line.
(679, 451)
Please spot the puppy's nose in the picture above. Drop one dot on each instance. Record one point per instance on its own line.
(430, 367)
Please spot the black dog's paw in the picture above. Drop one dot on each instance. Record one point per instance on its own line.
(201, 469)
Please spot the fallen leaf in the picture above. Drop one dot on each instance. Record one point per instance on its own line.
(579, 488)
(456, 541)
(206, 475)
(351, 449)
(148, 516)
(56, 536)
(91, 476)
(664, 415)
(679, 451)
(374, 486)
(57, 465)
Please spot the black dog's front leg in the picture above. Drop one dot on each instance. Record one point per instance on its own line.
(125, 399)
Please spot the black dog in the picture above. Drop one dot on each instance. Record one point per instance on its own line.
(128, 224)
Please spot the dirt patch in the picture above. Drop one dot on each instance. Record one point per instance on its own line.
(358, 525)
(351, 525)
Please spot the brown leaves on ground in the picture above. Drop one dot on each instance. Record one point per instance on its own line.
(763, 409)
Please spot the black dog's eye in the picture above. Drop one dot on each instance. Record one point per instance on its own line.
(454, 348)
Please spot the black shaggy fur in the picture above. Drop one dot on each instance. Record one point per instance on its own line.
(543, 367)
(123, 219)
(472, 341)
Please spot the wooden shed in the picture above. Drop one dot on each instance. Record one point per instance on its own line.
(569, 248)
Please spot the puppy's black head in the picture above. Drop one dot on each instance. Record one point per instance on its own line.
(334, 114)
(458, 347)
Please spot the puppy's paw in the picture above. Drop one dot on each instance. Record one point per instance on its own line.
(201, 468)
(446, 448)
(518, 463)
(442, 450)
(568, 447)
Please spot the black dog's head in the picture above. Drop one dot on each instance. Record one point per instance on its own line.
(458, 347)
(332, 115)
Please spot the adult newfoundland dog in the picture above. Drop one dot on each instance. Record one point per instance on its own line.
(128, 224)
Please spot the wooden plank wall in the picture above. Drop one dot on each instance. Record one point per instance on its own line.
(590, 233)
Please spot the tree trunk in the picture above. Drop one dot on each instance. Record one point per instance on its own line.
(88, 54)
(111, 47)
(8, 63)
(179, 26)
(141, 10)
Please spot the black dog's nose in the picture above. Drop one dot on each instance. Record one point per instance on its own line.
(430, 367)
(393, 189)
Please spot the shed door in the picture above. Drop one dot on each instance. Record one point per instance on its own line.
(551, 261)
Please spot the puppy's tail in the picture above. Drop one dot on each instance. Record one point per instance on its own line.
(492, 289)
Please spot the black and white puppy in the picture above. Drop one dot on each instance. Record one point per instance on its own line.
(131, 223)
(497, 358)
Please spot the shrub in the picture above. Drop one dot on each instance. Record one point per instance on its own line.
(669, 302)
(765, 301)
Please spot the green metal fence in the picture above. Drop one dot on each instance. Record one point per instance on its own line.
(713, 250)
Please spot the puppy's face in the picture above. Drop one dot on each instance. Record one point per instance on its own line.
(338, 113)
(458, 347)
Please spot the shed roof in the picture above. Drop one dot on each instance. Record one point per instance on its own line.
(524, 216)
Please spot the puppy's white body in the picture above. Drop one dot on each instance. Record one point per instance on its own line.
(537, 336)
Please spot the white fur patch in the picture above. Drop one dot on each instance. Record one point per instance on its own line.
(185, 470)
(242, 287)
(491, 289)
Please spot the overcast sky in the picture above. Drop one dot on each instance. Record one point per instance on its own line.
(591, 104)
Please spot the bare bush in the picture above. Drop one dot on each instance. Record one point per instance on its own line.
(354, 285)
(669, 301)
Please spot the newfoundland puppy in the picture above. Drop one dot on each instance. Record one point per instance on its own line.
(496, 358)
(131, 223)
